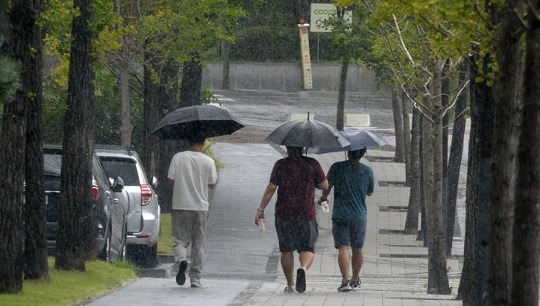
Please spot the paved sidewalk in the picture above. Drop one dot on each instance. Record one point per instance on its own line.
(395, 265)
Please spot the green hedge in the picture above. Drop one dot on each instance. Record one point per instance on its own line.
(277, 44)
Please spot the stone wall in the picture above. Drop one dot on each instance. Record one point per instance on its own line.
(288, 77)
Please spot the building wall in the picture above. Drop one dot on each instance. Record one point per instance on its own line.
(288, 77)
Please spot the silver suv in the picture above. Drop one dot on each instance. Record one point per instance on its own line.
(144, 212)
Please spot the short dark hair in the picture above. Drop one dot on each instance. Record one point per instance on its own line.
(193, 140)
(357, 154)
(294, 150)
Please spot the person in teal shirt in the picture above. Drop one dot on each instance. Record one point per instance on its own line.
(352, 182)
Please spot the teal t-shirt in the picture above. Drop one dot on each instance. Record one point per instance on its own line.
(351, 181)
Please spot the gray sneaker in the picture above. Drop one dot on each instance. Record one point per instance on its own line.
(345, 287)
(289, 289)
(196, 282)
(355, 285)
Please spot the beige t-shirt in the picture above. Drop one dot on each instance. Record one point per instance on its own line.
(192, 172)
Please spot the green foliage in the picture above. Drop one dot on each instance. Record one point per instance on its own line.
(196, 25)
(9, 79)
(268, 13)
(264, 43)
(72, 288)
(351, 40)
(451, 26)
(57, 19)
(165, 241)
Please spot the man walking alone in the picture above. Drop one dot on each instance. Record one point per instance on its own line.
(352, 181)
(295, 178)
(192, 173)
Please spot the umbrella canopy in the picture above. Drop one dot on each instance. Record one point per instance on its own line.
(199, 120)
(307, 134)
(358, 139)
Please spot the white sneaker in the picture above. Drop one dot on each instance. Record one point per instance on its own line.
(345, 287)
(289, 289)
(196, 282)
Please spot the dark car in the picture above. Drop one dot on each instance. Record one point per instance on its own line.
(143, 208)
(109, 215)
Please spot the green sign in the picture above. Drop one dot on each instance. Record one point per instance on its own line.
(321, 12)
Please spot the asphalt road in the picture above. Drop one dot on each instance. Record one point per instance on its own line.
(270, 109)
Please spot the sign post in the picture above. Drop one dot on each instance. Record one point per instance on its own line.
(304, 51)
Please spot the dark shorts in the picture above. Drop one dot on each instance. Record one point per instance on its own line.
(348, 233)
(297, 235)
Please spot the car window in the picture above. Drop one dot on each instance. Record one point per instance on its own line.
(122, 167)
(99, 172)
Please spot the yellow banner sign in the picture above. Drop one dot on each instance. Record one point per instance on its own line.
(306, 60)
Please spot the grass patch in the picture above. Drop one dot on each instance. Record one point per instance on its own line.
(165, 241)
(69, 288)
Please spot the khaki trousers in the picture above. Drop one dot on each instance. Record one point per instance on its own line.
(189, 227)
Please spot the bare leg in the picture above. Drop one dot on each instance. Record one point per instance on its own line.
(343, 261)
(306, 259)
(287, 263)
(357, 260)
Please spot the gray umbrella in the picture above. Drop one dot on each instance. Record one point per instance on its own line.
(359, 139)
(199, 120)
(307, 134)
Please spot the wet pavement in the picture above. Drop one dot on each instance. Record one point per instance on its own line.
(243, 263)
(242, 266)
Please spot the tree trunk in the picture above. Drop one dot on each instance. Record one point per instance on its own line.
(225, 81)
(406, 135)
(397, 108)
(526, 231)
(151, 118)
(35, 249)
(438, 274)
(473, 277)
(485, 160)
(126, 127)
(12, 159)
(340, 115)
(445, 93)
(506, 90)
(75, 240)
(454, 162)
(190, 91)
(427, 174)
(411, 222)
(168, 92)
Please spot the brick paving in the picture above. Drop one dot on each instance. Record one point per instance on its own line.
(395, 265)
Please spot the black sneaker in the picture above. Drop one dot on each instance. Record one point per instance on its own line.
(300, 280)
(181, 275)
(355, 285)
(345, 287)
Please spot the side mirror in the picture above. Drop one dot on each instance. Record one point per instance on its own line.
(154, 182)
(118, 184)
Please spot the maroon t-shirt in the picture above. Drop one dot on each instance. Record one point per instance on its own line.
(296, 178)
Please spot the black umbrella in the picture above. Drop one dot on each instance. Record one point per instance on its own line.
(359, 139)
(307, 134)
(199, 120)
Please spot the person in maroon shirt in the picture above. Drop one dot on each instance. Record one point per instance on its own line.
(295, 179)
